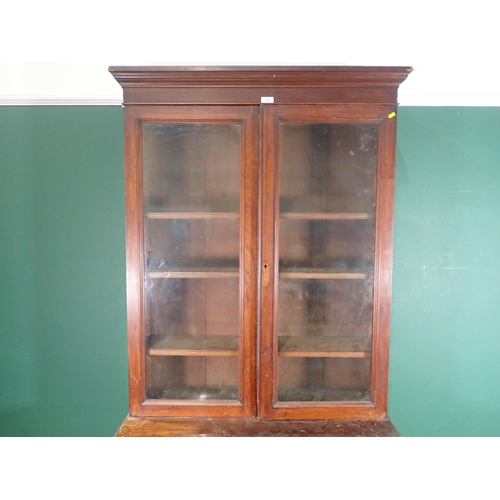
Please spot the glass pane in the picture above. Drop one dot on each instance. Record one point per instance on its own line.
(323, 379)
(328, 168)
(191, 247)
(334, 245)
(191, 167)
(326, 260)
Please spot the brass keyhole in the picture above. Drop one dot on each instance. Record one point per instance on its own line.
(265, 275)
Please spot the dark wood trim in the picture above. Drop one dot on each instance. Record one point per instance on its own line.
(247, 84)
(164, 427)
(332, 113)
(326, 410)
(249, 257)
(259, 76)
(252, 96)
(383, 260)
(269, 200)
(157, 408)
(134, 260)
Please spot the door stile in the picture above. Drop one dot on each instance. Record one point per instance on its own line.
(383, 260)
(269, 264)
(249, 257)
(134, 260)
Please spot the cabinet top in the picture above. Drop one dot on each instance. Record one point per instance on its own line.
(249, 75)
(243, 84)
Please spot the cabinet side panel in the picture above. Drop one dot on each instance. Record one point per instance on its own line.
(134, 259)
(383, 261)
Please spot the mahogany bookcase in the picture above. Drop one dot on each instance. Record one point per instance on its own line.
(259, 227)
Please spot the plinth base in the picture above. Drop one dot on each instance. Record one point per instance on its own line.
(230, 427)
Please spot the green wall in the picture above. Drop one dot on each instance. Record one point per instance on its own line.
(445, 344)
(62, 285)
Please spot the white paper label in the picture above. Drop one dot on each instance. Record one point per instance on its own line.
(268, 100)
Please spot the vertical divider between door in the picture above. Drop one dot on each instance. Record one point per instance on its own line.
(267, 366)
(250, 254)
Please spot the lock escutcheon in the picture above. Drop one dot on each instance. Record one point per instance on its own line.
(265, 275)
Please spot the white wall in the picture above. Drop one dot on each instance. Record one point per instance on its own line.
(451, 45)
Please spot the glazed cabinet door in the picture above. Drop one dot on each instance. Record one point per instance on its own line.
(192, 175)
(328, 186)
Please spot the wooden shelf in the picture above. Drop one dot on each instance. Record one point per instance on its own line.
(215, 272)
(192, 215)
(321, 274)
(325, 216)
(298, 273)
(181, 345)
(316, 394)
(193, 394)
(324, 347)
